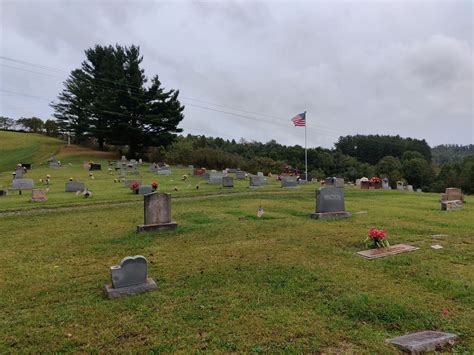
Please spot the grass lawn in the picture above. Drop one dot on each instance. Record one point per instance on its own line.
(226, 283)
(25, 148)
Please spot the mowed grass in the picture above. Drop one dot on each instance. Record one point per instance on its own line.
(228, 281)
(29, 148)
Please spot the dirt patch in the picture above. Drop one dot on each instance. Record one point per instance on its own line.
(76, 150)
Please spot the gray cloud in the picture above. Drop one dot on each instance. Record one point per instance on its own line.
(361, 67)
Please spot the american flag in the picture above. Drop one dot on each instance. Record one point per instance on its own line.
(299, 120)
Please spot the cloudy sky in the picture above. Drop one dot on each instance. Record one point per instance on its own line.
(356, 67)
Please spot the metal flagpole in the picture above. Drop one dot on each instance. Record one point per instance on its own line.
(305, 150)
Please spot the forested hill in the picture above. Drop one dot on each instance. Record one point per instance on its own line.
(451, 153)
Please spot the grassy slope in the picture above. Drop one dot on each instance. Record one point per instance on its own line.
(25, 148)
(284, 282)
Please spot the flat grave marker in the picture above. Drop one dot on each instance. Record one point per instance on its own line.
(382, 252)
(424, 341)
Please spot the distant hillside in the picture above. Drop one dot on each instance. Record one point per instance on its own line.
(450, 153)
(31, 148)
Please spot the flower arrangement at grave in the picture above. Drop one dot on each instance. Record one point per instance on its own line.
(376, 180)
(134, 186)
(377, 238)
(154, 185)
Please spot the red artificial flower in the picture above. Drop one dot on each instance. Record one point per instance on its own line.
(135, 185)
(154, 184)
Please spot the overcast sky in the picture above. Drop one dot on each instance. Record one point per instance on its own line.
(356, 67)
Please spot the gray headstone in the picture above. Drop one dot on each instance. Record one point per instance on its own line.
(22, 184)
(385, 184)
(205, 176)
(400, 186)
(227, 181)
(157, 213)
(19, 173)
(164, 171)
(260, 174)
(154, 167)
(191, 167)
(240, 175)
(131, 271)
(118, 166)
(216, 178)
(255, 181)
(410, 188)
(123, 174)
(124, 158)
(289, 181)
(425, 341)
(329, 199)
(418, 190)
(74, 186)
(145, 190)
(54, 163)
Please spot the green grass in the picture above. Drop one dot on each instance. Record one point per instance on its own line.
(25, 148)
(227, 281)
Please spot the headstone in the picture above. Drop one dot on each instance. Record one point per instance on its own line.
(227, 181)
(330, 204)
(232, 171)
(191, 167)
(3, 192)
(157, 213)
(54, 163)
(198, 172)
(145, 190)
(118, 166)
(255, 181)
(206, 175)
(358, 182)
(391, 250)
(74, 186)
(38, 195)
(260, 174)
(452, 194)
(154, 167)
(22, 184)
(129, 278)
(418, 190)
(240, 175)
(339, 183)
(215, 178)
(86, 165)
(410, 188)
(164, 171)
(135, 172)
(19, 172)
(124, 158)
(454, 205)
(26, 166)
(95, 167)
(424, 341)
(385, 184)
(129, 183)
(400, 186)
(289, 182)
(140, 161)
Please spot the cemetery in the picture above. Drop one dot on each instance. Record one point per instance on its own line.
(215, 267)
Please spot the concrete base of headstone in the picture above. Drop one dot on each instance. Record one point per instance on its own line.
(331, 215)
(391, 250)
(113, 293)
(142, 228)
(451, 205)
(424, 341)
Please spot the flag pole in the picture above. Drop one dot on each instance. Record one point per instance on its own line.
(305, 150)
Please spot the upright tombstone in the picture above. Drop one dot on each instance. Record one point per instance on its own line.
(357, 182)
(3, 192)
(410, 188)
(19, 171)
(339, 183)
(154, 167)
(145, 190)
(86, 165)
(289, 182)
(38, 195)
(227, 181)
(164, 171)
(27, 166)
(95, 167)
(216, 178)
(157, 213)
(385, 184)
(118, 166)
(198, 171)
(124, 158)
(255, 181)
(400, 186)
(74, 186)
(240, 175)
(22, 184)
(129, 278)
(206, 176)
(330, 204)
(54, 163)
(452, 194)
(122, 175)
(260, 174)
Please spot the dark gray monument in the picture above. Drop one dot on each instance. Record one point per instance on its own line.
(129, 278)
(157, 213)
(425, 341)
(227, 181)
(95, 167)
(145, 190)
(289, 182)
(255, 181)
(330, 204)
(74, 186)
(3, 192)
(22, 184)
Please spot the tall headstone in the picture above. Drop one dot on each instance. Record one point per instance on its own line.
(227, 181)
(129, 278)
(157, 213)
(385, 184)
(400, 186)
(19, 171)
(330, 204)
(255, 181)
(289, 182)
